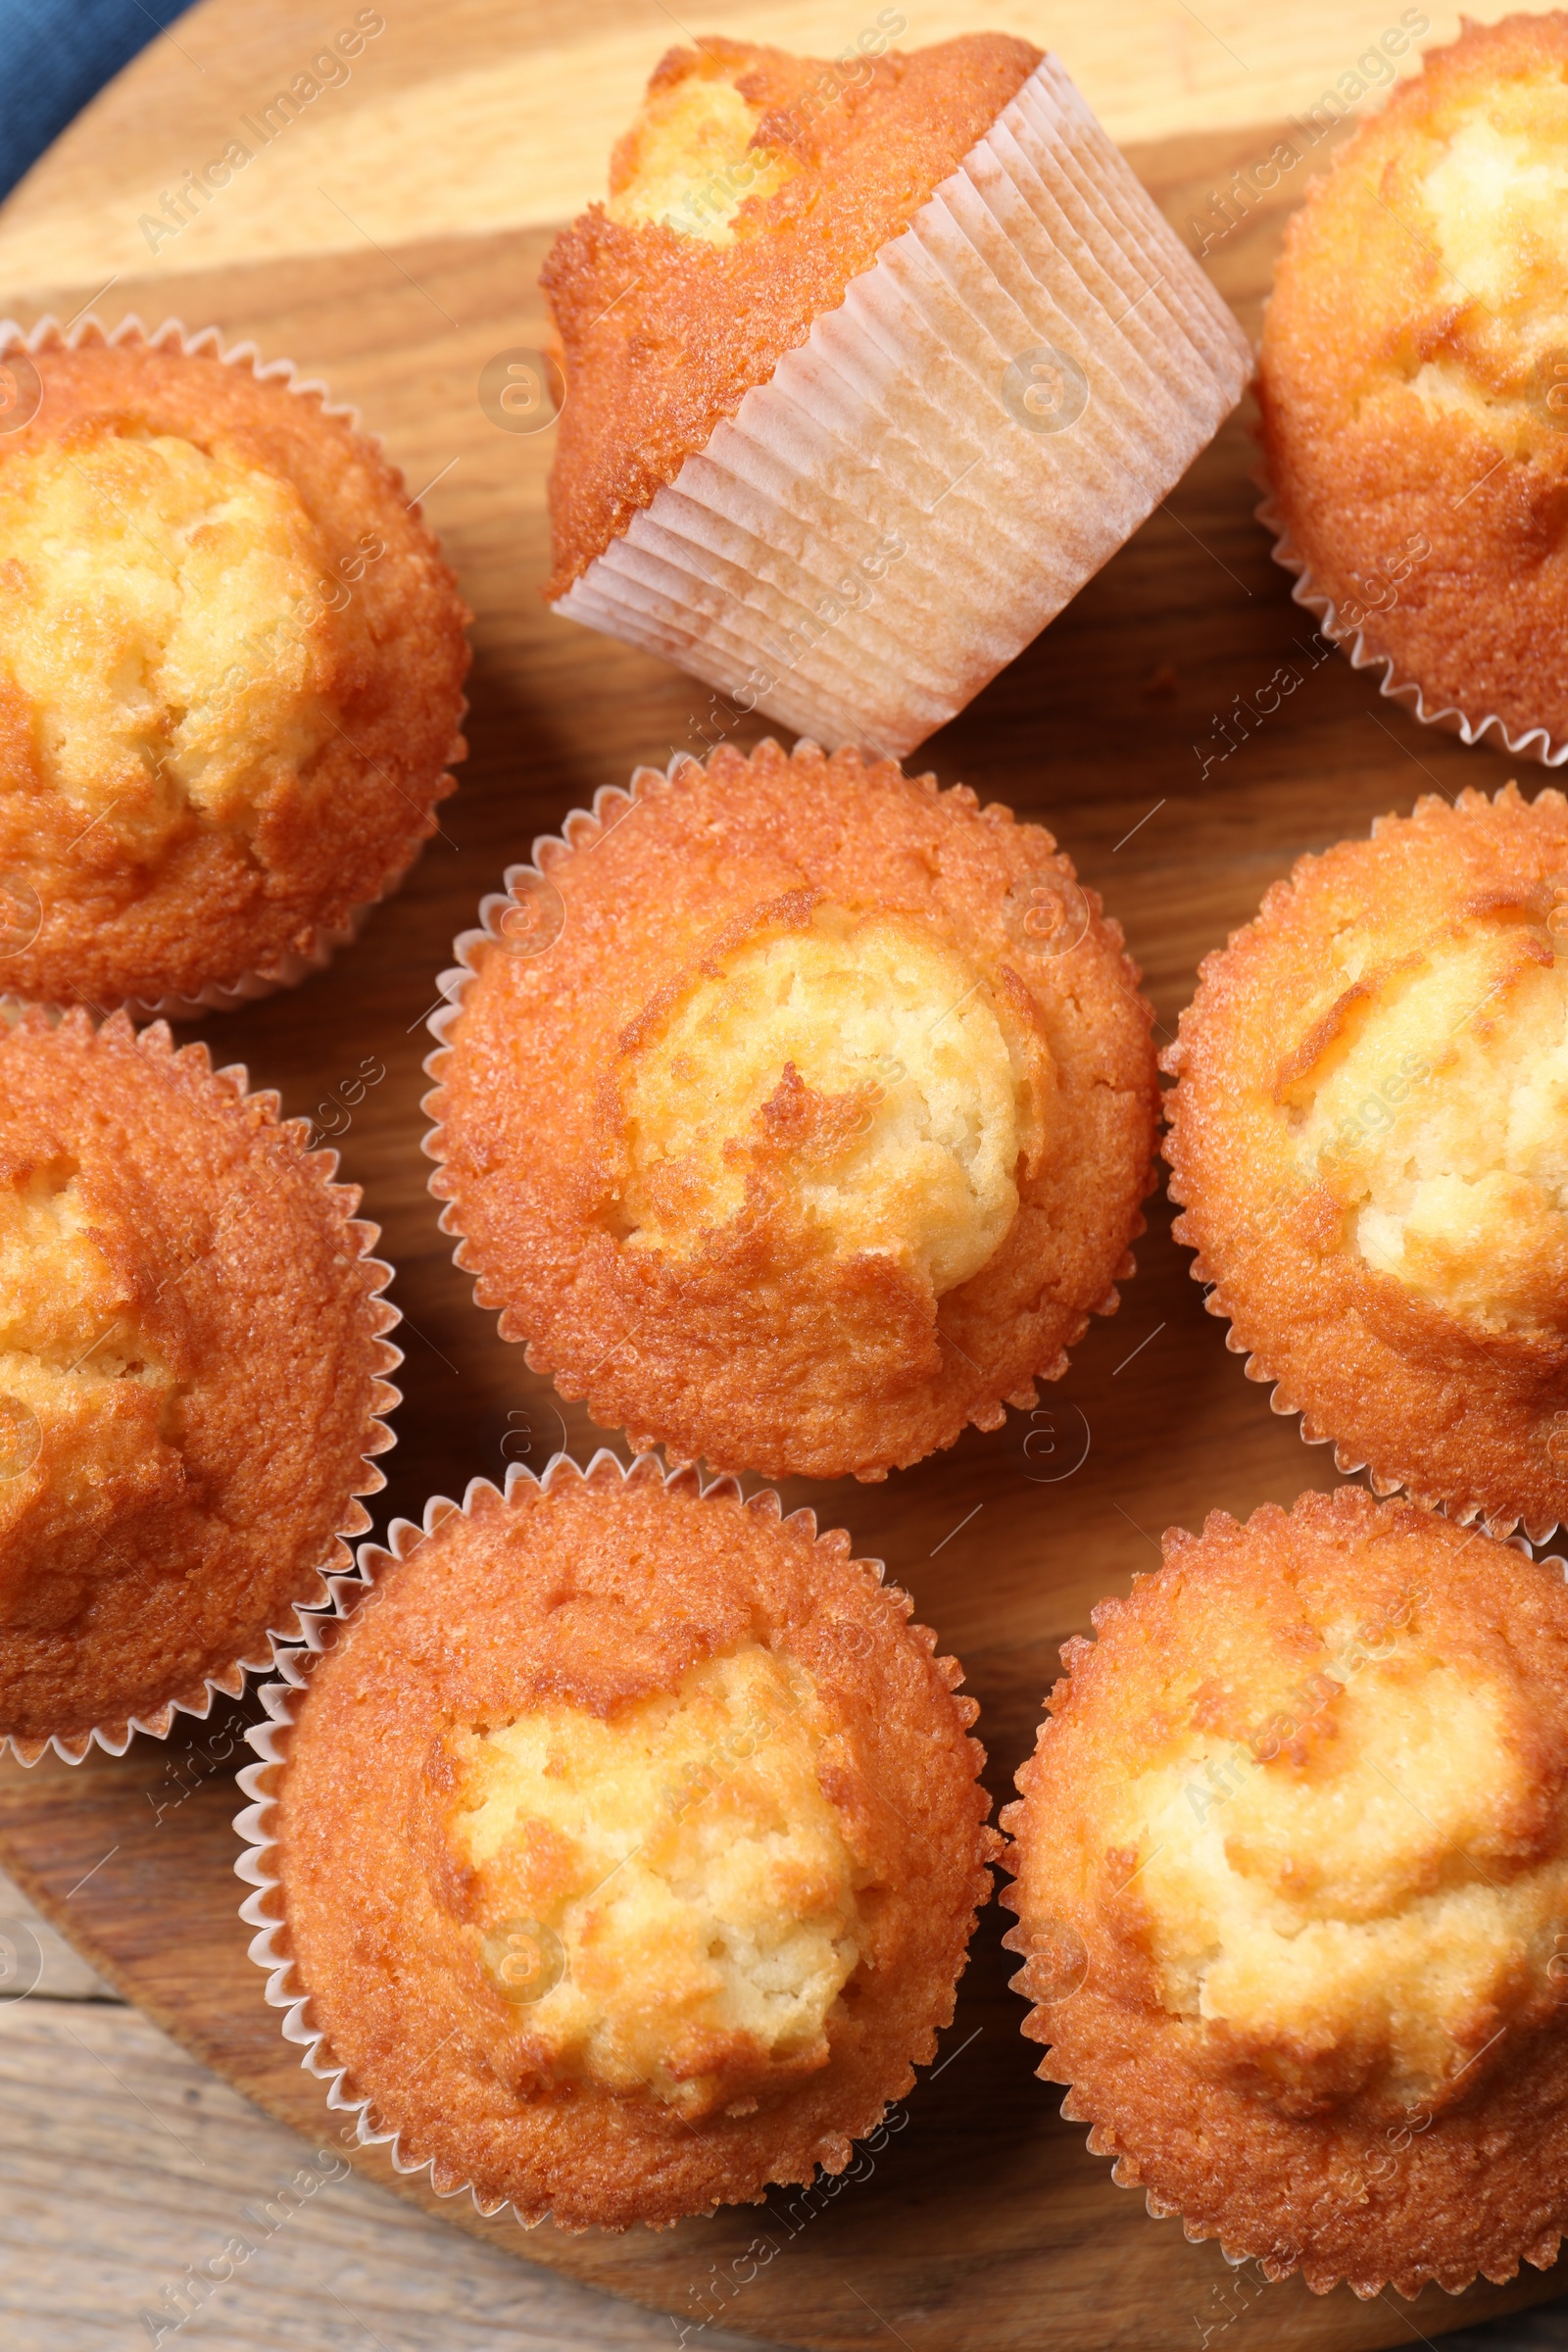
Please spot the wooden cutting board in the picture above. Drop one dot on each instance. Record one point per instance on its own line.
(1133, 730)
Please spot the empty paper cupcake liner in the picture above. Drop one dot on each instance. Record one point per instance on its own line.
(299, 963)
(995, 408)
(257, 1864)
(197, 1700)
(1527, 742)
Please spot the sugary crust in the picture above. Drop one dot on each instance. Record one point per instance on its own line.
(251, 1282)
(665, 333)
(1445, 539)
(1461, 1415)
(224, 900)
(594, 1592)
(1484, 2184)
(756, 1351)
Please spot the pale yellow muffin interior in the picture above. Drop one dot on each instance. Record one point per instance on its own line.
(1435, 1110)
(85, 1399)
(68, 1320)
(1495, 200)
(688, 160)
(1339, 1894)
(162, 622)
(685, 1872)
(920, 1111)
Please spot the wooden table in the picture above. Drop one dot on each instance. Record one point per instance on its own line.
(390, 238)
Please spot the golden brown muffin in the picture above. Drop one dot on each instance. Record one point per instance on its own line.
(190, 1375)
(818, 1130)
(626, 1847)
(1370, 1139)
(231, 665)
(1414, 380)
(1291, 1870)
(741, 205)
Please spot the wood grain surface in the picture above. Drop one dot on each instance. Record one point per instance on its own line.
(125, 2164)
(983, 2224)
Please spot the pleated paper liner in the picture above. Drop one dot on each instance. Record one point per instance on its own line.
(196, 1698)
(1276, 2264)
(262, 1909)
(995, 408)
(1525, 743)
(1501, 1525)
(300, 963)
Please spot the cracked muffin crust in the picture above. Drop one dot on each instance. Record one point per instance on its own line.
(1370, 1143)
(1413, 378)
(820, 1128)
(1292, 1876)
(190, 1375)
(231, 665)
(626, 1844)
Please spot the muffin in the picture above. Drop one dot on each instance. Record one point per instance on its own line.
(1292, 1868)
(870, 367)
(190, 1373)
(1370, 1138)
(1413, 387)
(620, 1854)
(231, 665)
(792, 1112)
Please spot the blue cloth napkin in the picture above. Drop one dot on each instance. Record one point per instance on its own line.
(57, 54)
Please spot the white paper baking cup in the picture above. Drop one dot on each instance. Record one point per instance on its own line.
(299, 963)
(995, 408)
(116, 1737)
(1526, 743)
(257, 1864)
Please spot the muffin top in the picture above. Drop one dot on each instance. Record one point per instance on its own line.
(1371, 1140)
(629, 1846)
(1292, 1889)
(231, 665)
(750, 191)
(817, 1127)
(1414, 377)
(190, 1354)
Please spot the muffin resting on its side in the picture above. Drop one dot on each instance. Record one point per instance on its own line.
(624, 1846)
(1413, 386)
(869, 367)
(1370, 1139)
(816, 1129)
(190, 1374)
(749, 205)
(1292, 1866)
(231, 665)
